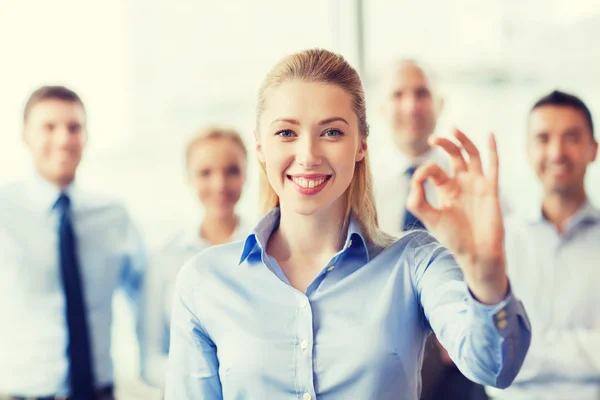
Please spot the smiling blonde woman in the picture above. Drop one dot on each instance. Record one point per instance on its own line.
(318, 303)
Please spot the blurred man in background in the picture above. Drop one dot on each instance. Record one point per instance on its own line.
(411, 107)
(553, 256)
(63, 252)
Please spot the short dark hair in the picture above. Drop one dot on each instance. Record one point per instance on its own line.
(562, 99)
(49, 93)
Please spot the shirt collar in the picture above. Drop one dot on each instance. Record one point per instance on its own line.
(402, 162)
(257, 241)
(44, 193)
(586, 213)
(192, 239)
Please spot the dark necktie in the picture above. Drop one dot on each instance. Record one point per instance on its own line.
(410, 221)
(79, 352)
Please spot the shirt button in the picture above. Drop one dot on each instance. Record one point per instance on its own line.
(304, 344)
(349, 243)
(307, 396)
(304, 302)
(502, 324)
(330, 268)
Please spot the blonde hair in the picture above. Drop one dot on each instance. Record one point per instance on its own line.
(323, 66)
(214, 132)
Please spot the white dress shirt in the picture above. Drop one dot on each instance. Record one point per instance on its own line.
(558, 278)
(34, 334)
(392, 185)
(160, 291)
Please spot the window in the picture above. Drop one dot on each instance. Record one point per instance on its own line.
(494, 60)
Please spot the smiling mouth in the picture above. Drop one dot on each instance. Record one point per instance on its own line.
(309, 183)
(558, 168)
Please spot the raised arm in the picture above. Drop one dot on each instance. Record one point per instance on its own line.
(464, 290)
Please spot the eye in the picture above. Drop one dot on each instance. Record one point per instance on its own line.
(333, 133)
(286, 133)
(422, 93)
(74, 129)
(204, 173)
(542, 138)
(572, 137)
(233, 171)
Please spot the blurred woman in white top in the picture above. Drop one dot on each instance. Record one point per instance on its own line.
(216, 160)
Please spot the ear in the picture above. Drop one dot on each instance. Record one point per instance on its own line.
(382, 109)
(258, 146)
(440, 105)
(244, 170)
(594, 151)
(85, 137)
(26, 136)
(362, 150)
(529, 152)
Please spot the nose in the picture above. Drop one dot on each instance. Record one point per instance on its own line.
(308, 152)
(556, 149)
(409, 104)
(63, 136)
(219, 182)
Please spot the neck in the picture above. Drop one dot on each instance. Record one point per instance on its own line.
(559, 208)
(316, 237)
(413, 150)
(218, 230)
(60, 183)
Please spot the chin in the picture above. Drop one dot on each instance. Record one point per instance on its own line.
(310, 207)
(65, 178)
(561, 189)
(307, 211)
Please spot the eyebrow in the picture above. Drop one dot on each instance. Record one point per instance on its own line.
(575, 130)
(323, 122)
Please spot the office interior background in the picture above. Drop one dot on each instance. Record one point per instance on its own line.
(152, 72)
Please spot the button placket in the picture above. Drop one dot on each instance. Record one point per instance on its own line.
(303, 302)
(304, 340)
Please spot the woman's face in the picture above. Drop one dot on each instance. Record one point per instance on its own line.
(217, 172)
(309, 142)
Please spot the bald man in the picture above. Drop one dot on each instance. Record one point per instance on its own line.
(411, 107)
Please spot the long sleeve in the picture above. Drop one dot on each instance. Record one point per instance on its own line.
(193, 367)
(135, 264)
(155, 324)
(133, 279)
(487, 343)
(570, 354)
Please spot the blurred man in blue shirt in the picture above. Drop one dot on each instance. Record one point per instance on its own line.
(553, 252)
(63, 252)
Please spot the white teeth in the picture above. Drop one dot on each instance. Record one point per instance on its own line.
(308, 183)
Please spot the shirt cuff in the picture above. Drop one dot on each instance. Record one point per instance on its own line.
(498, 315)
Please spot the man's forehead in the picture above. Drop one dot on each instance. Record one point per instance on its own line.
(409, 73)
(557, 114)
(57, 110)
(555, 119)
